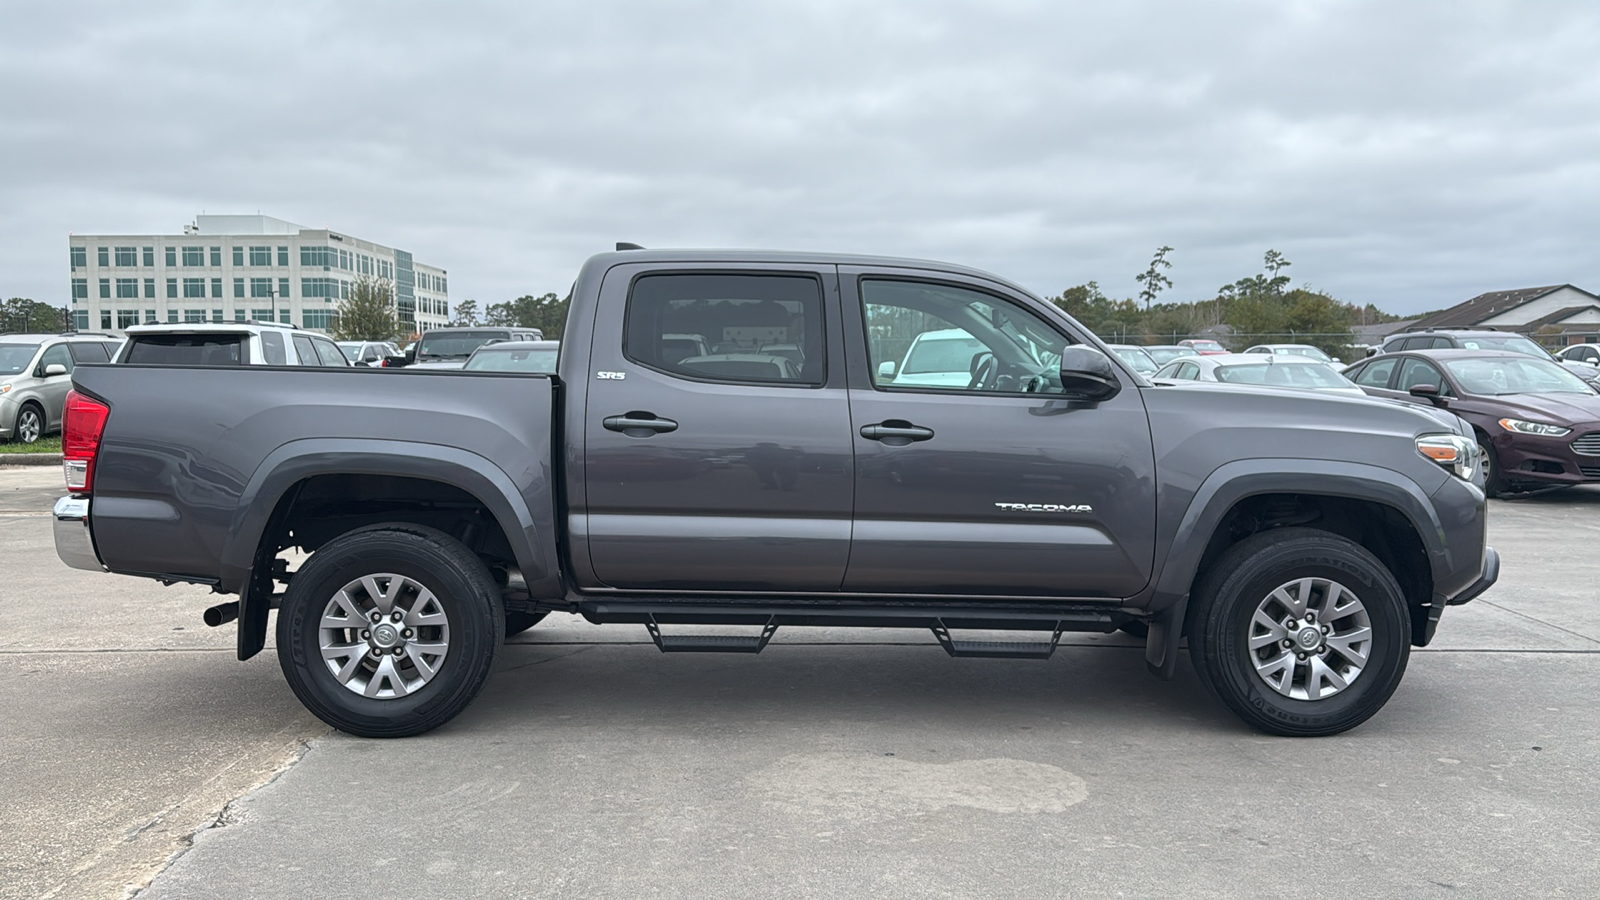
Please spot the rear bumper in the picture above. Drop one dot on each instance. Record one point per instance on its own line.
(74, 543)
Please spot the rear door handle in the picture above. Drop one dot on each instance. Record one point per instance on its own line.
(636, 423)
(896, 432)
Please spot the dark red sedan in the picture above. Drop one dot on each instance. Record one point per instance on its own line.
(1537, 423)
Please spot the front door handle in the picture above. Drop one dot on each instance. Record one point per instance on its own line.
(636, 423)
(896, 432)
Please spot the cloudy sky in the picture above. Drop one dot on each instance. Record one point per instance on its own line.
(1409, 154)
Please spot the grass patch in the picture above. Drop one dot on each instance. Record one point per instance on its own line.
(51, 444)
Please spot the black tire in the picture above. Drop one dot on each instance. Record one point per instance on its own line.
(1229, 595)
(518, 622)
(1493, 485)
(464, 591)
(30, 421)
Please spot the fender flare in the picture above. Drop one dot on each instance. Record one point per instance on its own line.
(293, 462)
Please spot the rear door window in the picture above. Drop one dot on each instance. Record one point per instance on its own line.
(1376, 375)
(735, 318)
(329, 351)
(187, 349)
(304, 350)
(88, 352)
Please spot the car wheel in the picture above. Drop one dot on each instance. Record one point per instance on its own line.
(1492, 485)
(1300, 632)
(30, 424)
(389, 631)
(518, 622)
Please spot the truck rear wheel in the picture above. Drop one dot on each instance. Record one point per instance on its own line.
(1300, 632)
(390, 631)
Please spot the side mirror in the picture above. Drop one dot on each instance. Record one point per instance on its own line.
(54, 369)
(1428, 392)
(886, 369)
(1087, 375)
(1372, 351)
(411, 356)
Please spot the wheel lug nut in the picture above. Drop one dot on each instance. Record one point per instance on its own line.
(1288, 643)
(1292, 625)
(406, 633)
(1326, 630)
(1311, 617)
(366, 635)
(1301, 655)
(377, 616)
(396, 617)
(397, 651)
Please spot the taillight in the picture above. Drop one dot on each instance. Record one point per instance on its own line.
(81, 426)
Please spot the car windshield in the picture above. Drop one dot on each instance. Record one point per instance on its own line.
(1285, 374)
(1309, 352)
(491, 359)
(351, 352)
(952, 354)
(1514, 343)
(455, 344)
(1137, 360)
(15, 357)
(1164, 355)
(1514, 375)
(1205, 345)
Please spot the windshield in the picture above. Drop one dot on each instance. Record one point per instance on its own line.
(455, 344)
(1309, 352)
(15, 357)
(1205, 345)
(1164, 355)
(1281, 374)
(351, 352)
(525, 360)
(1518, 375)
(1515, 343)
(1138, 360)
(942, 355)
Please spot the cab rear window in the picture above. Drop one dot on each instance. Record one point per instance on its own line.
(188, 350)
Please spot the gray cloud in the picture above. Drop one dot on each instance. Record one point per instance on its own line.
(1410, 155)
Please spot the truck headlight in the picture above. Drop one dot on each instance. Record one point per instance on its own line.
(1454, 452)
(1522, 426)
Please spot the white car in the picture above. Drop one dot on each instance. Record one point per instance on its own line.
(1264, 370)
(371, 354)
(1305, 350)
(935, 359)
(1588, 354)
(759, 366)
(229, 344)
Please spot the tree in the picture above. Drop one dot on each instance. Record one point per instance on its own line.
(548, 313)
(1276, 262)
(1153, 279)
(466, 314)
(368, 314)
(22, 314)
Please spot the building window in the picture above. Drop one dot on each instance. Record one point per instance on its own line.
(149, 255)
(105, 318)
(238, 315)
(80, 288)
(238, 287)
(80, 258)
(283, 256)
(172, 288)
(127, 256)
(172, 317)
(105, 289)
(172, 256)
(216, 257)
(103, 256)
(261, 287)
(80, 320)
(127, 288)
(283, 288)
(261, 315)
(149, 288)
(194, 287)
(216, 316)
(238, 256)
(283, 316)
(216, 288)
(194, 316)
(260, 256)
(126, 317)
(194, 256)
(322, 319)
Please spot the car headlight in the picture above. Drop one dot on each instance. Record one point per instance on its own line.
(1454, 452)
(1521, 426)
(5, 388)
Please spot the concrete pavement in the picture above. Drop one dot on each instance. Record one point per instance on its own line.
(831, 765)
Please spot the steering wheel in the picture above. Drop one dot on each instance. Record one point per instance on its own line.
(985, 371)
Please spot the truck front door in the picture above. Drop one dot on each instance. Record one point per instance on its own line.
(971, 477)
(717, 449)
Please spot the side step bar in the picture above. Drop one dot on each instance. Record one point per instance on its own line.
(711, 643)
(997, 649)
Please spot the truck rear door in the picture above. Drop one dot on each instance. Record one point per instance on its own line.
(711, 463)
(970, 477)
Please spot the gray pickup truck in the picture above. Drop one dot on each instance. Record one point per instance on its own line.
(725, 443)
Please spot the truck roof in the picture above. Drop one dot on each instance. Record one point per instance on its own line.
(798, 257)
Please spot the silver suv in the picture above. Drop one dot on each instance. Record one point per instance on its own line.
(35, 375)
(230, 344)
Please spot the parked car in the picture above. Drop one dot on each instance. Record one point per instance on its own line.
(1535, 422)
(515, 356)
(1135, 357)
(1204, 347)
(1305, 350)
(1481, 339)
(941, 358)
(372, 354)
(1299, 544)
(1165, 353)
(1288, 371)
(450, 348)
(35, 375)
(229, 344)
(1587, 354)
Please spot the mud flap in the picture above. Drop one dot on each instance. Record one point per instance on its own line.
(1162, 641)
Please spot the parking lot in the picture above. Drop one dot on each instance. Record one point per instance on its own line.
(835, 764)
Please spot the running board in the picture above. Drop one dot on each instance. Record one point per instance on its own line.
(997, 649)
(711, 643)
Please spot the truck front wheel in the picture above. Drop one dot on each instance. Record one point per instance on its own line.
(1300, 632)
(389, 631)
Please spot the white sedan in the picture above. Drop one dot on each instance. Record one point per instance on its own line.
(1266, 370)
